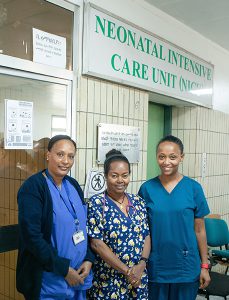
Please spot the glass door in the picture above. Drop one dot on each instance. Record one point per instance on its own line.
(51, 115)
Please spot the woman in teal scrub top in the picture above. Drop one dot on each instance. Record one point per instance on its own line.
(178, 262)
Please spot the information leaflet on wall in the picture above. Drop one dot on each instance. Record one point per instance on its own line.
(123, 138)
(49, 49)
(119, 51)
(18, 124)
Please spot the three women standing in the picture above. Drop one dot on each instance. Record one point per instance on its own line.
(54, 261)
(178, 262)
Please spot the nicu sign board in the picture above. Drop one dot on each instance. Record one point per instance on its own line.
(118, 51)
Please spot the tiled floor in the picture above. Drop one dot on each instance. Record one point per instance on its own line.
(211, 298)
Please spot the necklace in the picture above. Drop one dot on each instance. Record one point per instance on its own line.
(119, 202)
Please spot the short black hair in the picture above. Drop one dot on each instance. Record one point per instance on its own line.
(59, 137)
(114, 155)
(172, 139)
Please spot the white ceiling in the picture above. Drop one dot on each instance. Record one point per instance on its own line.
(208, 17)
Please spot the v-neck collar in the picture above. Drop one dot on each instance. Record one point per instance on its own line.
(175, 187)
(117, 208)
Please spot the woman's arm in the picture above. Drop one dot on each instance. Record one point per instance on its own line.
(203, 250)
(147, 247)
(99, 247)
(137, 270)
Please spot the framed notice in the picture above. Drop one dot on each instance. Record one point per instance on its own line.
(123, 138)
(18, 124)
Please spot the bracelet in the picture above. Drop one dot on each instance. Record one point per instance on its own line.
(144, 259)
(205, 266)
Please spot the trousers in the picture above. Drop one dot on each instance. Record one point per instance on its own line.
(173, 291)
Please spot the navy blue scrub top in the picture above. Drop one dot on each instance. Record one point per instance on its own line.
(174, 255)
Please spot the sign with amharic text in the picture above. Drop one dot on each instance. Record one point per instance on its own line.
(123, 138)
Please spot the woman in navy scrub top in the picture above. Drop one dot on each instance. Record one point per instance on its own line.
(119, 234)
(54, 260)
(178, 262)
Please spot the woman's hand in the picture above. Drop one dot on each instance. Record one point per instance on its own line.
(136, 272)
(204, 278)
(84, 269)
(73, 277)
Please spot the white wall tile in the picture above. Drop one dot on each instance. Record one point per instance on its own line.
(187, 118)
(89, 132)
(103, 98)
(186, 141)
(91, 95)
(131, 104)
(81, 166)
(120, 101)
(141, 105)
(109, 99)
(82, 135)
(136, 104)
(146, 106)
(180, 123)
(97, 107)
(193, 118)
(82, 101)
(126, 99)
(115, 101)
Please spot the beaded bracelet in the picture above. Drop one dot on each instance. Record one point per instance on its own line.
(205, 266)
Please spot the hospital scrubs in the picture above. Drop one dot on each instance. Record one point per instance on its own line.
(67, 208)
(125, 236)
(174, 258)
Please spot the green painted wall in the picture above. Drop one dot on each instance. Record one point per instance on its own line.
(156, 116)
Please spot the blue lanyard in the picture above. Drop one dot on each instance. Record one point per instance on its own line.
(69, 204)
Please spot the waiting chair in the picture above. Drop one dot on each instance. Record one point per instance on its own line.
(218, 236)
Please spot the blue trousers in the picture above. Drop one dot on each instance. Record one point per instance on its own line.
(79, 295)
(173, 291)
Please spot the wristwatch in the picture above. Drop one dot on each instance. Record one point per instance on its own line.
(144, 259)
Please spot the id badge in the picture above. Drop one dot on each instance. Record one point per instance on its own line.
(78, 237)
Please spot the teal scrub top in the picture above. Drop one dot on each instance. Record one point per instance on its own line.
(174, 256)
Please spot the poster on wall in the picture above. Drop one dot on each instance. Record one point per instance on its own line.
(49, 49)
(95, 183)
(123, 138)
(131, 55)
(18, 124)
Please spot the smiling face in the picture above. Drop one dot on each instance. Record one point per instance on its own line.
(118, 178)
(60, 159)
(169, 157)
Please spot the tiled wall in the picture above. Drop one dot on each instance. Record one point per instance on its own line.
(202, 130)
(206, 131)
(15, 167)
(106, 102)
